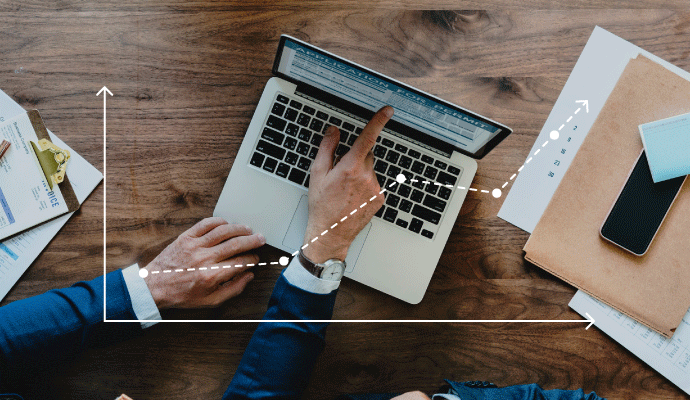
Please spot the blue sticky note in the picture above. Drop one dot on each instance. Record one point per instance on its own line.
(667, 144)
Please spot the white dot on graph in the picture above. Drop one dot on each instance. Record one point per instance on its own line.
(400, 178)
(496, 193)
(283, 261)
(143, 272)
(554, 135)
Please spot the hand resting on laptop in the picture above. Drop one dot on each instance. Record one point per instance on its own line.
(335, 191)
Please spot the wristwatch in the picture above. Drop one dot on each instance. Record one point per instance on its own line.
(331, 270)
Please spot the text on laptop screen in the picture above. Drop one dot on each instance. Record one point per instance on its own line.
(372, 92)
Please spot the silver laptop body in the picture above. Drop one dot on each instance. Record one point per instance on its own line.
(430, 141)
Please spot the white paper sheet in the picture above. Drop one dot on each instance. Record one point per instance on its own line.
(595, 75)
(671, 358)
(18, 252)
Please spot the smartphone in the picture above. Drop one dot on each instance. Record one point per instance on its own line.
(640, 209)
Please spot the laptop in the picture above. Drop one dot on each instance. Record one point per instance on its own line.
(433, 143)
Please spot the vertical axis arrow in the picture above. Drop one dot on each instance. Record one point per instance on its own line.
(105, 92)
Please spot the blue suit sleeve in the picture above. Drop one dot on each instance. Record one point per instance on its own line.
(47, 330)
(281, 355)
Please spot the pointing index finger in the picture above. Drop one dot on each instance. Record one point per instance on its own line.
(367, 139)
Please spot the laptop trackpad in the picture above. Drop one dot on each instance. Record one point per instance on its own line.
(294, 238)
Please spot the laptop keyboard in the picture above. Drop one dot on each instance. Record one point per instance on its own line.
(290, 139)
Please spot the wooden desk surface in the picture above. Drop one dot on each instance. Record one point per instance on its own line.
(186, 79)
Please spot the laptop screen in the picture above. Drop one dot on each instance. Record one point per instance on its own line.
(462, 129)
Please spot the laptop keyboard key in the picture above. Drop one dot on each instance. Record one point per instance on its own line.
(313, 152)
(400, 148)
(430, 172)
(392, 156)
(440, 164)
(380, 166)
(404, 190)
(292, 129)
(427, 234)
(419, 182)
(290, 143)
(291, 158)
(273, 136)
(417, 167)
(270, 164)
(304, 134)
(270, 149)
(405, 205)
(391, 185)
(401, 223)
(303, 119)
(416, 225)
(316, 139)
(335, 121)
(348, 126)
(387, 142)
(379, 151)
(454, 170)
(417, 195)
(405, 162)
(431, 188)
(304, 163)
(308, 110)
(392, 200)
(414, 154)
(282, 170)
(379, 213)
(291, 114)
(445, 179)
(351, 139)
(275, 123)
(316, 125)
(393, 171)
(257, 160)
(444, 193)
(342, 149)
(296, 104)
(343, 137)
(278, 109)
(321, 115)
(306, 183)
(426, 214)
(303, 149)
(381, 179)
(434, 203)
(427, 159)
(297, 176)
(282, 99)
(390, 214)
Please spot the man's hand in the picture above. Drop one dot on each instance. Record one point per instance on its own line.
(334, 191)
(212, 242)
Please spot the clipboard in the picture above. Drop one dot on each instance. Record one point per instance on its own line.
(48, 164)
(34, 187)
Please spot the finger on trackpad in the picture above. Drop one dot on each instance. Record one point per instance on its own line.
(295, 234)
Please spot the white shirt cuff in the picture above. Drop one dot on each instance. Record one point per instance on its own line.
(447, 396)
(298, 276)
(142, 302)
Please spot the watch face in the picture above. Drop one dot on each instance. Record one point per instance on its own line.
(333, 272)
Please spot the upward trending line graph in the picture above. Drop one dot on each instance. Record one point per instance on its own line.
(284, 261)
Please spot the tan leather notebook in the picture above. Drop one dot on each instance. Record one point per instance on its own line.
(655, 288)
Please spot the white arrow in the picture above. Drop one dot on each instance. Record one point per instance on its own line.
(401, 321)
(105, 92)
(585, 103)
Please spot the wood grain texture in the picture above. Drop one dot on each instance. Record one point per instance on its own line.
(186, 78)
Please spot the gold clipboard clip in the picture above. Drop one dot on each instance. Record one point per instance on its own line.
(53, 161)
